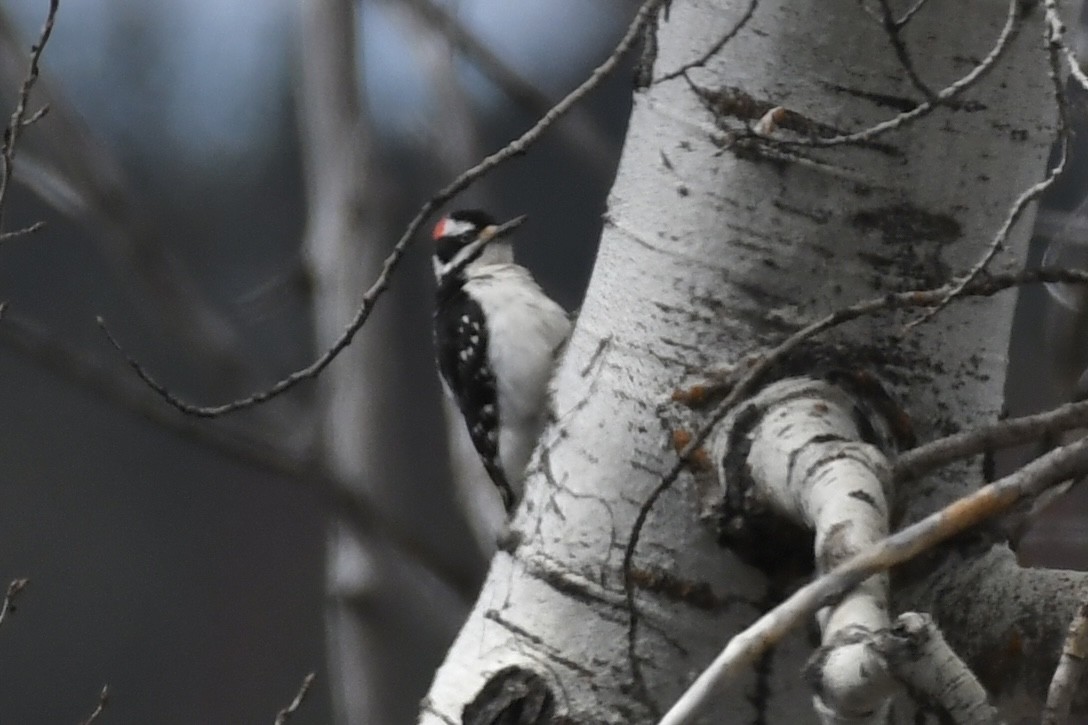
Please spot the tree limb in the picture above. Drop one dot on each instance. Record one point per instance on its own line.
(1069, 673)
(989, 501)
(243, 445)
(515, 148)
(18, 120)
(285, 714)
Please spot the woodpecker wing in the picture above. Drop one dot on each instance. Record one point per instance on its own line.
(461, 341)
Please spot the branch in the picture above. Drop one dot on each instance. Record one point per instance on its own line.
(515, 148)
(804, 458)
(915, 656)
(1070, 670)
(103, 701)
(1056, 30)
(1033, 192)
(18, 120)
(989, 501)
(238, 444)
(583, 134)
(919, 461)
(906, 16)
(761, 365)
(285, 714)
(15, 587)
(714, 49)
(35, 227)
(1008, 32)
(919, 658)
(892, 27)
(73, 172)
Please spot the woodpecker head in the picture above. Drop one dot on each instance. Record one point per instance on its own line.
(466, 238)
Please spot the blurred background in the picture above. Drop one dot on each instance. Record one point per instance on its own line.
(190, 564)
(188, 570)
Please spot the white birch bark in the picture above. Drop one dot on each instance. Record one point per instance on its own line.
(710, 254)
(387, 617)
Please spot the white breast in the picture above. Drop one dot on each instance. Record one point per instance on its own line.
(525, 331)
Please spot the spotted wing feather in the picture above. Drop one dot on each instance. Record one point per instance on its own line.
(462, 341)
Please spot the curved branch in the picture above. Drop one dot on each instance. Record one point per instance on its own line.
(19, 120)
(240, 445)
(515, 148)
(948, 93)
(989, 501)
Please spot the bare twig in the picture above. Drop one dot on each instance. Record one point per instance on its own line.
(892, 28)
(1008, 32)
(19, 119)
(35, 227)
(910, 12)
(714, 49)
(1057, 36)
(285, 714)
(581, 132)
(103, 701)
(1069, 672)
(1026, 197)
(1002, 434)
(760, 366)
(989, 501)
(241, 444)
(515, 148)
(74, 173)
(15, 587)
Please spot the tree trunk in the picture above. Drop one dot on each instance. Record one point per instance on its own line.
(717, 246)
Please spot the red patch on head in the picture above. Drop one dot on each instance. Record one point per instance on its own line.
(439, 230)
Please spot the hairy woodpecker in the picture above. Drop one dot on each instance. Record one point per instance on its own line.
(497, 336)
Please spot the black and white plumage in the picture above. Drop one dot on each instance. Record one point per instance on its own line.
(496, 338)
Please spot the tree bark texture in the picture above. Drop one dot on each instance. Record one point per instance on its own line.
(715, 247)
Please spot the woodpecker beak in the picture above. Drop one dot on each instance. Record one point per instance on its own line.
(498, 231)
(473, 249)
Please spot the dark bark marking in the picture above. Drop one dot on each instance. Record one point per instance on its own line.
(512, 696)
(915, 237)
(730, 105)
(695, 594)
(864, 497)
(537, 642)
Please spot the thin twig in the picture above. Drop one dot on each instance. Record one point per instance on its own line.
(515, 148)
(1001, 434)
(581, 132)
(1069, 672)
(714, 49)
(239, 443)
(103, 701)
(753, 376)
(18, 119)
(905, 17)
(1008, 32)
(1057, 36)
(15, 587)
(35, 227)
(1026, 197)
(892, 27)
(285, 714)
(987, 502)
